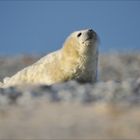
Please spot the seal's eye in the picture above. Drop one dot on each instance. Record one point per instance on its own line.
(79, 35)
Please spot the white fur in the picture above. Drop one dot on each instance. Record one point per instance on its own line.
(61, 66)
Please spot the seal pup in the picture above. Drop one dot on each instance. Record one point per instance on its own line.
(76, 60)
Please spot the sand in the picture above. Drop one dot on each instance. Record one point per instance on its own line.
(107, 109)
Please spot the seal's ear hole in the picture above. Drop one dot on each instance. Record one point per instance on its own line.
(79, 34)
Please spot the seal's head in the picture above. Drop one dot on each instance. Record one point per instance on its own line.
(79, 55)
(82, 40)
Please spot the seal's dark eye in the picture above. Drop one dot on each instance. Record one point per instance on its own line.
(79, 35)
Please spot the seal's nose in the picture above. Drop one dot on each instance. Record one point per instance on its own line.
(90, 33)
(90, 30)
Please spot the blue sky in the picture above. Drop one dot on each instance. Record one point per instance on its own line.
(42, 26)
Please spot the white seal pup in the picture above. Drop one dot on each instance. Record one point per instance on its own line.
(76, 60)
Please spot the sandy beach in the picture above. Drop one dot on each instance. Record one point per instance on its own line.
(107, 109)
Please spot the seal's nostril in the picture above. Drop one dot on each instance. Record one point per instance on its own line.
(90, 30)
